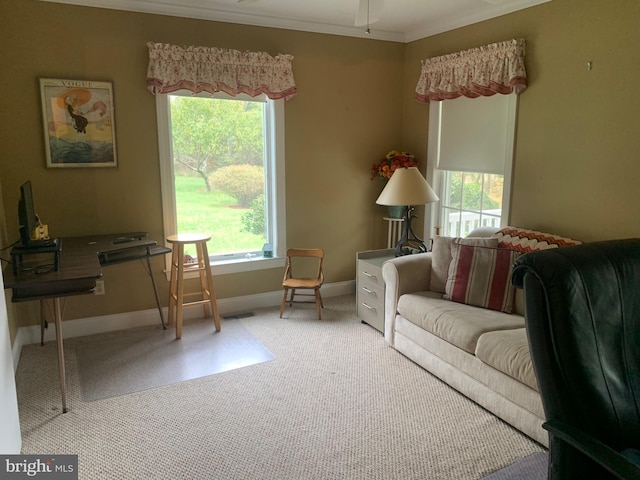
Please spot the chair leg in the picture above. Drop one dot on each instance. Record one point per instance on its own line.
(293, 294)
(318, 302)
(284, 300)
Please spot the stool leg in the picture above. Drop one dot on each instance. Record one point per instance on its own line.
(173, 291)
(203, 264)
(179, 290)
(210, 289)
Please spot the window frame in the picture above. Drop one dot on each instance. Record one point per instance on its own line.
(274, 186)
(433, 214)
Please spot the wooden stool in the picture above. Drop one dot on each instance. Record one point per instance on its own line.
(178, 269)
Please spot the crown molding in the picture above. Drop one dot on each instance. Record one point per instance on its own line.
(205, 13)
(200, 10)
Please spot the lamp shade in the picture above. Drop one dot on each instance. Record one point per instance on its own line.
(407, 186)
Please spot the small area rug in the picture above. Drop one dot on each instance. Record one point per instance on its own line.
(531, 467)
(149, 357)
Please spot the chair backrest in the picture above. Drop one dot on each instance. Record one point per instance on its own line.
(582, 310)
(311, 253)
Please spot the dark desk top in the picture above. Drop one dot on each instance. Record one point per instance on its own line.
(81, 259)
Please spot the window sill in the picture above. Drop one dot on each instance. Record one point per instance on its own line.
(222, 267)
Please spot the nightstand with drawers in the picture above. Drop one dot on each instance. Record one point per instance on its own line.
(370, 286)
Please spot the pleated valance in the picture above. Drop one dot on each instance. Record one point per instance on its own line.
(483, 71)
(205, 69)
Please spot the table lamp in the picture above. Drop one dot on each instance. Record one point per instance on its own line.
(407, 187)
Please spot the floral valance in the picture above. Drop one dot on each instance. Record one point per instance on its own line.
(483, 71)
(204, 69)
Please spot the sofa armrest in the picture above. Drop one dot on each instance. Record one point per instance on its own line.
(408, 274)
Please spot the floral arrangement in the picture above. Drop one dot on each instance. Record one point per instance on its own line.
(392, 161)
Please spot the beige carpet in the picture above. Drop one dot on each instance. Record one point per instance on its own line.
(336, 403)
(132, 361)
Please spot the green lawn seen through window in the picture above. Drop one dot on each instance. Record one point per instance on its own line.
(212, 213)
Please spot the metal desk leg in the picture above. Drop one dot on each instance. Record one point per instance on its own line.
(155, 291)
(43, 321)
(59, 341)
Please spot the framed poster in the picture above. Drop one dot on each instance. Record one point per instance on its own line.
(79, 127)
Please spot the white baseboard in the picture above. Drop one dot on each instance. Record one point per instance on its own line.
(121, 321)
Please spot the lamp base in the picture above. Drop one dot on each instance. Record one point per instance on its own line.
(409, 243)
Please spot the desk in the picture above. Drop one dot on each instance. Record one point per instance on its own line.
(80, 265)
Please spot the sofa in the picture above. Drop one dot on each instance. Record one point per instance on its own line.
(454, 312)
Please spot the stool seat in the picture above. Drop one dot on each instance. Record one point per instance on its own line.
(188, 238)
(179, 267)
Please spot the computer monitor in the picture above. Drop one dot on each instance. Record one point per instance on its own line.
(26, 214)
(28, 221)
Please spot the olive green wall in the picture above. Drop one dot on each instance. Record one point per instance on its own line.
(577, 168)
(347, 114)
(576, 165)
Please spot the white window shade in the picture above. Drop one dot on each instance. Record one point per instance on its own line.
(474, 135)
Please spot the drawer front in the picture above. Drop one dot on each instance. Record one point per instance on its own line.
(370, 274)
(372, 313)
(370, 295)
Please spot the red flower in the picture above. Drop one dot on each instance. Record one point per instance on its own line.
(393, 160)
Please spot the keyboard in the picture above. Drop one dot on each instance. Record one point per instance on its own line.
(48, 242)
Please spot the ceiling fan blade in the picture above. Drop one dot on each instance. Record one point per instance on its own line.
(368, 8)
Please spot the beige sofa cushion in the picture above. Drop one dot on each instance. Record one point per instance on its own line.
(508, 352)
(456, 323)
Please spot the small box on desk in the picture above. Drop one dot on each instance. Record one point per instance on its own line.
(36, 258)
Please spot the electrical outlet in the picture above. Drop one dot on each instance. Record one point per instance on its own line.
(99, 289)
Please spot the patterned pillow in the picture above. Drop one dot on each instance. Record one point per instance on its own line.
(525, 241)
(441, 257)
(481, 276)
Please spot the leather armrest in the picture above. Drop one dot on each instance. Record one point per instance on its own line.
(619, 464)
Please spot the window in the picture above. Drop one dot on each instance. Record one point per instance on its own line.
(469, 200)
(222, 174)
(469, 163)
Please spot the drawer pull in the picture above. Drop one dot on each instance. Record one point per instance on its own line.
(370, 275)
(369, 291)
(368, 306)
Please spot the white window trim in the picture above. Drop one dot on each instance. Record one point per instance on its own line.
(275, 189)
(434, 177)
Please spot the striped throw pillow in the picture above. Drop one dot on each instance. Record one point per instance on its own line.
(481, 276)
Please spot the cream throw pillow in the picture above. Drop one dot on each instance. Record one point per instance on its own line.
(441, 257)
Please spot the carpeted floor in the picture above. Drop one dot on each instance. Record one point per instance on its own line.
(336, 402)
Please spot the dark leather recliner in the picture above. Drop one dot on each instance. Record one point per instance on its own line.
(582, 311)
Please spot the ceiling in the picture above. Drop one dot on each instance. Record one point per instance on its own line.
(394, 20)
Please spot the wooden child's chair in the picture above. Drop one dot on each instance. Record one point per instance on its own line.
(291, 283)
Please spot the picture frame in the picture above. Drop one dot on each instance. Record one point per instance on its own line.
(79, 123)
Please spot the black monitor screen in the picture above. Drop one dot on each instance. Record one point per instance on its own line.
(26, 214)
